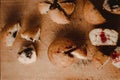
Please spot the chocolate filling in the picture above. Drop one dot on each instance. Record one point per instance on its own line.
(69, 52)
(14, 34)
(112, 3)
(28, 52)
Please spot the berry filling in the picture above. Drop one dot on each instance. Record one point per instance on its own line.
(114, 55)
(103, 37)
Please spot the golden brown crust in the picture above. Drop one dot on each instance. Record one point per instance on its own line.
(43, 8)
(58, 16)
(92, 15)
(68, 7)
(31, 34)
(56, 52)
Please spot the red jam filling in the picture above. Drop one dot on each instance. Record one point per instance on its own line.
(114, 55)
(103, 37)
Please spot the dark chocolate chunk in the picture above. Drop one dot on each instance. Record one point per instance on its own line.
(14, 34)
(28, 52)
(69, 52)
(55, 5)
(70, 55)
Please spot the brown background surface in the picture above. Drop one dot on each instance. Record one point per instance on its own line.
(26, 11)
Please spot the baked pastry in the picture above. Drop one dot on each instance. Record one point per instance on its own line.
(116, 57)
(112, 6)
(11, 34)
(43, 7)
(27, 54)
(67, 6)
(60, 17)
(103, 37)
(62, 52)
(92, 15)
(58, 10)
(32, 34)
(59, 54)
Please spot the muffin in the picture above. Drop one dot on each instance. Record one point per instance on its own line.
(92, 15)
(58, 10)
(62, 52)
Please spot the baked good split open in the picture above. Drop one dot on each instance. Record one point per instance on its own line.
(112, 6)
(11, 33)
(63, 51)
(58, 10)
(27, 54)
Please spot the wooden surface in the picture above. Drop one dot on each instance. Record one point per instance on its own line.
(43, 69)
